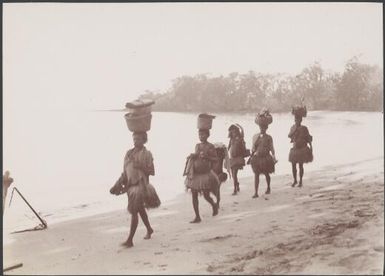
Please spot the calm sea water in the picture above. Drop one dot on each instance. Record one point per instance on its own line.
(65, 162)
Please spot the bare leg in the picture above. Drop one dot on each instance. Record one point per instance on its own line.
(134, 225)
(143, 215)
(268, 183)
(256, 184)
(218, 194)
(196, 207)
(206, 195)
(300, 174)
(234, 172)
(294, 170)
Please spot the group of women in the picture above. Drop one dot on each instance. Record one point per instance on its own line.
(204, 167)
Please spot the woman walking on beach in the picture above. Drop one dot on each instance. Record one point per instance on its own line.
(300, 153)
(262, 162)
(200, 176)
(237, 152)
(137, 167)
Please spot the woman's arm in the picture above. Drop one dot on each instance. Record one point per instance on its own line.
(292, 132)
(309, 138)
(272, 149)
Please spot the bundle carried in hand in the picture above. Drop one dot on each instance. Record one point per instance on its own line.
(264, 117)
(205, 121)
(299, 111)
(139, 117)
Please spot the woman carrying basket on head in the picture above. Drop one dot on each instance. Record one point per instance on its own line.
(263, 154)
(138, 166)
(200, 177)
(302, 150)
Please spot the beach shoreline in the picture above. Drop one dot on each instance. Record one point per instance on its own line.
(334, 224)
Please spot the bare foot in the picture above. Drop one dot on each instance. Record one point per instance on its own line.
(238, 188)
(255, 196)
(196, 220)
(127, 244)
(267, 191)
(294, 183)
(148, 235)
(300, 184)
(234, 193)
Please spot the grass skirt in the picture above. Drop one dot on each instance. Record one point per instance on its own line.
(237, 163)
(142, 196)
(263, 164)
(200, 182)
(301, 155)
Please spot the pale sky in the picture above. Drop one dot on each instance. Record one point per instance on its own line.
(90, 56)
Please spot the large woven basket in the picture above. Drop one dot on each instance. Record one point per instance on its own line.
(205, 121)
(264, 120)
(299, 111)
(140, 107)
(138, 122)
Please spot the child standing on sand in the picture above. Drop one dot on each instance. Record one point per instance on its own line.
(262, 162)
(300, 137)
(237, 152)
(200, 176)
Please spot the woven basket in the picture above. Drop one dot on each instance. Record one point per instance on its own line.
(299, 111)
(140, 110)
(264, 120)
(137, 122)
(205, 121)
(140, 107)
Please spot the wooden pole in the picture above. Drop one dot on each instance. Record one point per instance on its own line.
(13, 267)
(41, 220)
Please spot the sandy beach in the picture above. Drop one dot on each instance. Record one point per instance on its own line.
(333, 225)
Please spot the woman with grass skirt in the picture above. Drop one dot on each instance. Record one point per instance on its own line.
(302, 150)
(138, 166)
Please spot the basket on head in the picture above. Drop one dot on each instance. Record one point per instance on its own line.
(140, 107)
(299, 111)
(264, 118)
(205, 121)
(138, 122)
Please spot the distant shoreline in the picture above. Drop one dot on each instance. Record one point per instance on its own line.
(235, 112)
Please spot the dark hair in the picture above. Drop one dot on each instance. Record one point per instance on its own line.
(205, 131)
(143, 134)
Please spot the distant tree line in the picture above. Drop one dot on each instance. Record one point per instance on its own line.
(358, 88)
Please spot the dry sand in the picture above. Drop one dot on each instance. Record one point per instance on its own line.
(333, 225)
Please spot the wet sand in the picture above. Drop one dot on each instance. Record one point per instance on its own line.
(333, 225)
